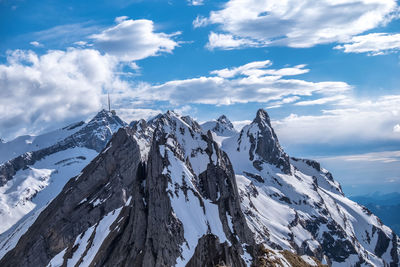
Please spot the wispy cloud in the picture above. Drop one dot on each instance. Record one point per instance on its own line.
(296, 24)
(374, 44)
(321, 101)
(36, 44)
(228, 41)
(67, 34)
(385, 157)
(196, 2)
(252, 82)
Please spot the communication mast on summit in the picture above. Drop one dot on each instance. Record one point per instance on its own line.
(109, 104)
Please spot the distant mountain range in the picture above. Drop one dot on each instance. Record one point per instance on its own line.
(171, 192)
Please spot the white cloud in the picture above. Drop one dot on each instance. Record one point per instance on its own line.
(131, 114)
(200, 22)
(38, 91)
(228, 41)
(196, 2)
(252, 82)
(36, 44)
(81, 43)
(396, 128)
(132, 40)
(373, 43)
(299, 23)
(65, 34)
(353, 120)
(240, 124)
(321, 101)
(185, 109)
(286, 100)
(41, 91)
(392, 179)
(231, 72)
(121, 19)
(384, 156)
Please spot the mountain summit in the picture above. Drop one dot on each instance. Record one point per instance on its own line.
(222, 126)
(32, 178)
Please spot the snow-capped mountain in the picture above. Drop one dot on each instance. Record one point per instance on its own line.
(294, 204)
(222, 126)
(30, 180)
(26, 143)
(171, 192)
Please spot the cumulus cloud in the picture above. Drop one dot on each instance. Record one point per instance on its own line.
(38, 91)
(299, 24)
(373, 43)
(252, 82)
(57, 86)
(396, 128)
(132, 40)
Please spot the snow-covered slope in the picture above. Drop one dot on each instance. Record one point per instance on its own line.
(26, 143)
(294, 204)
(169, 192)
(222, 126)
(31, 180)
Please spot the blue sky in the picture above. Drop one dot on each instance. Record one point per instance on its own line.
(327, 73)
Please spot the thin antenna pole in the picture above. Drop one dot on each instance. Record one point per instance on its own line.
(109, 105)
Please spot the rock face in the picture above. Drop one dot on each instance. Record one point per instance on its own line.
(100, 192)
(223, 126)
(261, 143)
(122, 211)
(296, 205)
(210, 253)
(169, 192)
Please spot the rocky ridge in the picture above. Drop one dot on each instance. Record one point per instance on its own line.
(171, 192)
(149, 207)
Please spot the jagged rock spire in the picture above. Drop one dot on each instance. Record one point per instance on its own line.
(264, 144)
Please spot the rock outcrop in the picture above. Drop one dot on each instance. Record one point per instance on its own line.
(123, 211)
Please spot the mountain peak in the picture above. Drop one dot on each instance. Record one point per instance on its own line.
(104, 116)
(262, 117)
(224, 120)
(264, 145)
